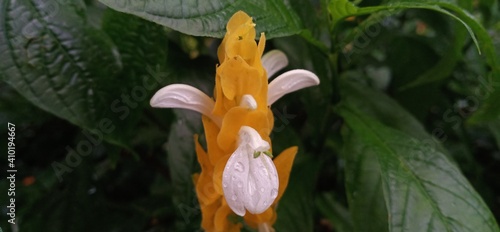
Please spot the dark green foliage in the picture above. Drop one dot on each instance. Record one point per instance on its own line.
(402, 134)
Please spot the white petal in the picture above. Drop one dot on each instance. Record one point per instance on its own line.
(289, 82)
(248, 101)
(251, 137)
(262, 184)
(184, 97)
(250, 183)
(234, 180)
(273, 61)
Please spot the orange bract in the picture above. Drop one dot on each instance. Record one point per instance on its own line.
(240, 73)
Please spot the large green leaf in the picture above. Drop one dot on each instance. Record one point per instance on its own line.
(364, 183)
(364, 186)
(143, 52)
(55, 60)
(140, 43)
(208, 18)
(423, 190)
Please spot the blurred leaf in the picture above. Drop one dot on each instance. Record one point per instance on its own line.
(180, 146)
(303, 55)
(295, 211)
(343, 8)
(284, 135)
(488, 110)
(337, 214)
(385, 110)
(446, 64)
(209, 18)
(478, 33)
(14, 106)
(424, 191)
(495, 130)
(401, 55)
(452, 53)
(70, 205)
(181, 155)
(315, 29)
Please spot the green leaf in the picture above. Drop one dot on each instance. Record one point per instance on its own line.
(181, 159)
(143, 52)
(209, 18)
(315, 28)
(14, 106)
(66, 67)
(363, 180)
(141, 43)
(423, 190)
(337, 214)
(55, 60)
(340, 9)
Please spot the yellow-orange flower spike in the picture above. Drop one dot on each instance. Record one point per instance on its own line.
(238, 176)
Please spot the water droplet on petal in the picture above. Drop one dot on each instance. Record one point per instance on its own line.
(263, 171)
(265, 202)
(240, 184)
(234, 197)
(233, 178)
(261, 189)
(224, 184)
(239, 167)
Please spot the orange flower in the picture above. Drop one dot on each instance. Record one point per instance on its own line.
(238, 175)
